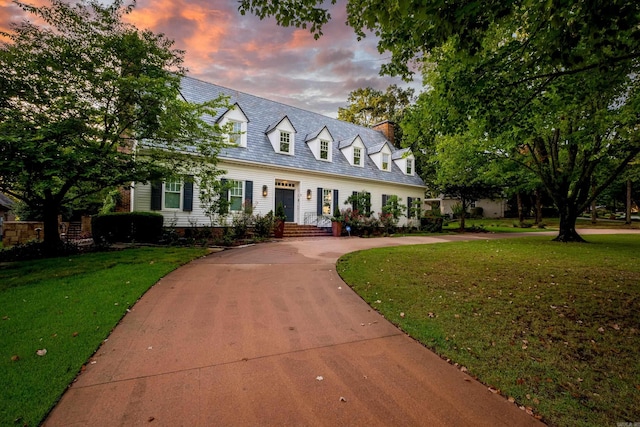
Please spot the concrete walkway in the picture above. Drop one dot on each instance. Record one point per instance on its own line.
(270, 335)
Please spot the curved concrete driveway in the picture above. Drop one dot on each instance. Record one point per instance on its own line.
(270, 335)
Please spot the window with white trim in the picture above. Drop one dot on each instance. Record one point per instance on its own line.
(324, 149)
(285, 142)
(326, 201)
(172, 194)
(236, 133)
(409, 166)
(357, 156)
(235, 195)
(385, 161)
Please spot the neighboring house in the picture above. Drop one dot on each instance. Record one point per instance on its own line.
(309, 162)
(6, 214)
(490, 208)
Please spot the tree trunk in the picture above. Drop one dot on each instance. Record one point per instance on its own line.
(463, 214)
(520, 209)
(629, 202)
(594, 212)
(568, 231)
(538, 206)
(52, 240)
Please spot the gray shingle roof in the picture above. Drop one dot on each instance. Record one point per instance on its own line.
(263, 114)
(6, 202)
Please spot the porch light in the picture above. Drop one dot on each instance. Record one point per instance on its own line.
(309, 194)
(264, 191)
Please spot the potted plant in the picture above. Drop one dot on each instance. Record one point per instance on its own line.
(278, 221)
(336, 223)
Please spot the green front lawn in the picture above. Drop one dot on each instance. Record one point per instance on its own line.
(554, 327)
(66, 306)
(511, 225)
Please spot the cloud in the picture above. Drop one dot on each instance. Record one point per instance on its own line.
(259, 57)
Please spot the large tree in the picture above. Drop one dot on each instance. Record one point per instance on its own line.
(560, 79)
(89, 102)
(368, 106)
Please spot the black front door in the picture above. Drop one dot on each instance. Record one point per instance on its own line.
(286, 197)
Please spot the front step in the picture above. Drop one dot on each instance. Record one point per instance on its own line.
(296, 230)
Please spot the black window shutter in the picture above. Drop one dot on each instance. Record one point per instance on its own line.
(319, 203)
(336, 201)
(187, 194)
(248, 189)
(354, 202)
(409, 202)
(224, 194)
(384, 200)
(156, 195)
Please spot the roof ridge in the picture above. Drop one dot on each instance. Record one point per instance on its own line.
(280, 103)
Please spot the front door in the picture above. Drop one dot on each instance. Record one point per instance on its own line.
(286, 197)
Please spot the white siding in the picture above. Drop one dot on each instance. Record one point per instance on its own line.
(268, 176)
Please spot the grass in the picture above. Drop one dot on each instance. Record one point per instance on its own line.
(67, 306)
(552, 326)
(506, 225)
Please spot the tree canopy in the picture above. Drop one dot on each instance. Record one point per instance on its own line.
(550, 85)
(89, 102)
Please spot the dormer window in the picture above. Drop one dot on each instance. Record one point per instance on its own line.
(357, 156)
(282, 136)
(385, 161)
(405, 161)
(324, 149)
(320, 143)
(285, 142)
(352, 149)
(235, 122)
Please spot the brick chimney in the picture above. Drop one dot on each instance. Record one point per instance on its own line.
(388, 130)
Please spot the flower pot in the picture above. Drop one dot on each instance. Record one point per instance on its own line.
(278, 229)
(336, 228)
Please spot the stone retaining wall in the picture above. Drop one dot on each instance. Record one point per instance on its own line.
(15, 232)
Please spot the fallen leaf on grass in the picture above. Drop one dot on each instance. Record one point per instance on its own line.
(15, 358)
(511, 399)
(493, 390)
(75, 334)
(41, 352)
(402, 314)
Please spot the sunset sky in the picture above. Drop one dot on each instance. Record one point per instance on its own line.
(258, 57)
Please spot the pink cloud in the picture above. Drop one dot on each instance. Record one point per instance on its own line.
(257, 56)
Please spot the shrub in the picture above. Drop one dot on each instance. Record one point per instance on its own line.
(457, 210)
(388, 222)
(477, 212)
(240, 224)
(263, 225)
(431, 224)
(143, 227)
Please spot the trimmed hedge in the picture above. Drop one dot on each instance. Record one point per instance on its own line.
(144, 227)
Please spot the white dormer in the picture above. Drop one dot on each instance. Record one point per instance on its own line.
(381, 156)
(282, 136)
(320, 143)
(405, 160)
(237, 121)
(353, 150)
